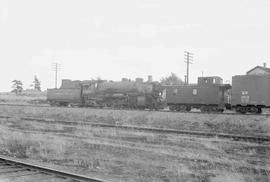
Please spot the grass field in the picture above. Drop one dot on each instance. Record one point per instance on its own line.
(120, 155)
(133, 156)
(33, 97)
(237, 124)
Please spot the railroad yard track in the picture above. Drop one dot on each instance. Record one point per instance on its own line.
(166, 111)
(11, 169)
(246, 138)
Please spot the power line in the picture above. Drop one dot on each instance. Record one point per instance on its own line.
(56, 68)
(188, 59)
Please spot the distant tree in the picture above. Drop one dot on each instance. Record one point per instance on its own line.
(17, 86)
(36, 84)
(99, 79)
(173, 79)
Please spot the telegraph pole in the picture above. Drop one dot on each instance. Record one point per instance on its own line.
(188, 60)
(56, 68)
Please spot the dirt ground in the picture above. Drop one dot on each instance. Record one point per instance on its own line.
(119, 155)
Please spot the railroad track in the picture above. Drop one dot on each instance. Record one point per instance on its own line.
(12, 169)
(166, 111)
(246, 138)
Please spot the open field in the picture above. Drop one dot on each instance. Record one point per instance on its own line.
(134, 156)
(33, 97)
(137, 156)
(235, 124)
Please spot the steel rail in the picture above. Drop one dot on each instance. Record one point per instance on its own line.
(166, 111)
(6, 161)
(247, 138)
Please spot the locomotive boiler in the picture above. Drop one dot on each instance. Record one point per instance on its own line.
(101, 93)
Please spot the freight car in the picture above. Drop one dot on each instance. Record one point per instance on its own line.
(250, 93)
(208, 95)
(102, 93)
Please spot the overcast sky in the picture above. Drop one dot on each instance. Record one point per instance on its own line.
(123, 38)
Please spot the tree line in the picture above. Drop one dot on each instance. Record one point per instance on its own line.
(172, 79)
(17, 85)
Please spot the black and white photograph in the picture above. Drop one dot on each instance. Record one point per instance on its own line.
(135, 91)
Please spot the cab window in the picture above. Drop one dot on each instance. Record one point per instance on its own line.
(194, 92)
(175, 91)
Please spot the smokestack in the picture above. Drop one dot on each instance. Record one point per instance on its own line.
(150, 78)
(264, 65)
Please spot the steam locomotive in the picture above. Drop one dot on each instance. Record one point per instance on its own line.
(101, 93)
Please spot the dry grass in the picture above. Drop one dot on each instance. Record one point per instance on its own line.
(237, 124)
(126, 156)
(136, 156)
(232, 177)
(24, 98)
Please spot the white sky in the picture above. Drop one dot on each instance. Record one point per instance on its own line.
(123, 38)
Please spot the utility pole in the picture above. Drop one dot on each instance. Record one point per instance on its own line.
(56, 68)
(188, 60)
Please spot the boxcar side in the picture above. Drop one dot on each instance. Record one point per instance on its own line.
(250, 92)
